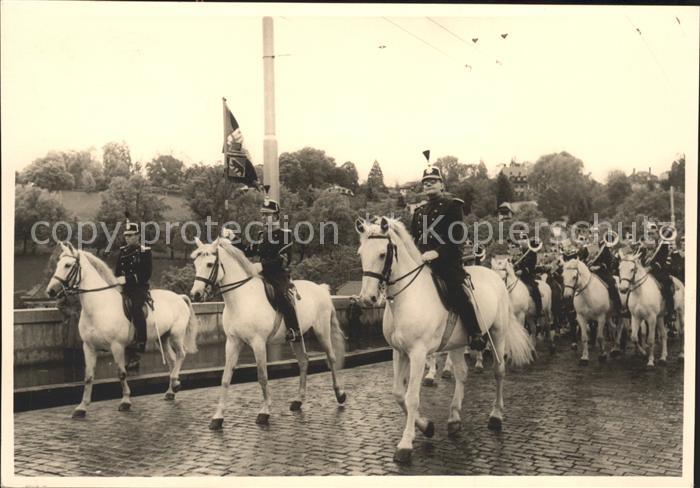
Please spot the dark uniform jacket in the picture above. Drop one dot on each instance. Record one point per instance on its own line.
(604, 258)
(442, 211)
(677, 265)
(275, 251)
(659, 259)
(134, 263)
(527, 262)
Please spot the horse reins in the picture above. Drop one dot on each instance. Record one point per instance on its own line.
(75, 275)
(632, 281)
(225, 288)
(383, 277)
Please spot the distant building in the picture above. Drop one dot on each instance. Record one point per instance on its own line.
(506, 210)
(517, 174)
(643, 179)
(340, 189)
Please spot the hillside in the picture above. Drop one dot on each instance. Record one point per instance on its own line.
(86, 205)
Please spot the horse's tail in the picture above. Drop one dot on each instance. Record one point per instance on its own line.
(192, 328)
(518, 347)
(337, 336)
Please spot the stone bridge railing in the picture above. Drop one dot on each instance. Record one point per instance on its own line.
(45, 335)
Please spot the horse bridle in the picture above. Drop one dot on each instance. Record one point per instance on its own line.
(210, 282)
(632, 281)
(70, 285)
(383, 277)
(573, 287)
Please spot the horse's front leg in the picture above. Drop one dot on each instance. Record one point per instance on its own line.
(479, 362)
(118, 353)
(663, 336)
(90, 362)
(233, 349)
(602, 322)
(448, 368)
(260, 351)
(583, 326)
(499, 371)
(416, 366)
(651, 339)
(459, 368)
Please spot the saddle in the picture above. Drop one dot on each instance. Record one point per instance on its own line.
(270, 293)
(126, 304)
(441, 287)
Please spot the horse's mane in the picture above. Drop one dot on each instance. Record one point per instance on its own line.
(239, 256)
(398, 232)
(101, 267)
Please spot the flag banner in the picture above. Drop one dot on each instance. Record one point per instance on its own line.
(236, 157)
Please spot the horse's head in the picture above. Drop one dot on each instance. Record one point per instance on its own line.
(207, 268)
(570, 275)
(377, 253)
(67, 273)
(500, 265)
(629, 263)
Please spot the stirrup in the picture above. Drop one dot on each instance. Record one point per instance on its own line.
(292, 335)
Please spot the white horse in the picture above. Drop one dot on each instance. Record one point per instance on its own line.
(646, 305)
(415, 324)
(523, 304)
(249, 318)
(103, 325)
(591, 302)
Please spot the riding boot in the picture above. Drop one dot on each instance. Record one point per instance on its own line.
(668, 298)
(286, 307)
(465, 309)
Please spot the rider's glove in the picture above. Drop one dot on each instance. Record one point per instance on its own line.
(121, 280)
(429, 256)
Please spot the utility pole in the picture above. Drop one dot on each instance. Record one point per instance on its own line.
(673, 214)
(271, 171)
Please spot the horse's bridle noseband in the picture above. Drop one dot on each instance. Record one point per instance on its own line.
(70, 285)
(632, 280)
(573, 287)
(210, 282)
(383, 277)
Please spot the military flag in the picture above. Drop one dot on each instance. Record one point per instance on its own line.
(236, 157)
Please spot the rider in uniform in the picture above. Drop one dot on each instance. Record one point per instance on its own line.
(602, 265)
(658, 264)
(676, 262)
(274, 248)
(526, 267)
(441, 252)
(133, 270)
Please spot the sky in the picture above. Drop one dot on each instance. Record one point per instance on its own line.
(579, 79)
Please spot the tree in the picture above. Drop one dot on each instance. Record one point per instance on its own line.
(375, 181)
(334, 268)
(654, 205)
(308, 167)
(178, 279)
(86, 170)
(676, 176)
(116, 160)
(617, 187)
(347, 177)
(560, 186)
(32, 205)
(504, 190)
(452, 170)
(50, 173)
(134, 195)
(165, 171)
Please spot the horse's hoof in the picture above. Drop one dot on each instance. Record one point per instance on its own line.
(429, 382)
(429, 429)
(263, 419)
(446, 375)
(124, 407)
(79, 413)
(583, 362)
(574, 345)
(341, 398)
(177, 387)
(650, 366)
(216, 424)
(602, 358)
(295, 406)
(615, 354)
(170, 396)
(454, 427)
(495, 424)
(403, 456)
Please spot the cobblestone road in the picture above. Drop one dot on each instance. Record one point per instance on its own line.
(606, 419)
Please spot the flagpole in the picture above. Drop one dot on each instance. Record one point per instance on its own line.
(270, 160)
(673, 214)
